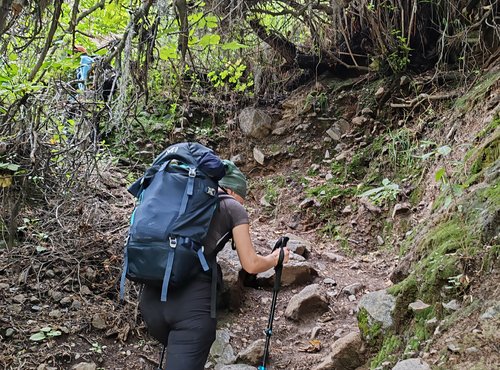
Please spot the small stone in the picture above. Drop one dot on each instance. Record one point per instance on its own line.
(453, 348)
(36, 308)
(359, 120)
(347, 209)
(330, 281)
(20, 298)
(99, 322)
(353, 289)
(55, 314)
(85, 290)
(258, 156)
(367, 112)
(380, 240)
(379, 93)
(418, 306)
(452, 305)
(327, 154)
(9, 332)
(76, 305)
(66, 301)
(490, 313)
(4, 286)
(471, 350)
(352, 298)
(328, 176)
(333, 257)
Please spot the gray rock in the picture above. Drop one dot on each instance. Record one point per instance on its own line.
(294, 273)
(99, 322)
(9, 332)
(253, 354)
(334, 132)
(359, 121)
(258, 156)
(330, 281)
(221, 351)
(346, 354)
(4, 286)
(237, 367)
(379, 306)
(333, 257)
(255, 123)
(412, 364)
(353, 289)
(298, 245)
(237, 159)
(19, 298)
(491, 312)
(418, 306)
(452, 305)
(85, 366)
(306, 303)
(231, 294)
(55, 314)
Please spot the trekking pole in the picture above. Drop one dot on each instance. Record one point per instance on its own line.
(281, 243)
(160, 367)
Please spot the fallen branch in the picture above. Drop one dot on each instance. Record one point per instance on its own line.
(423, 97)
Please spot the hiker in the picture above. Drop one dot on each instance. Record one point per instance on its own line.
(86, 62)
(184, 323)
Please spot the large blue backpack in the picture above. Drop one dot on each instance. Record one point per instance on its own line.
(176, 199)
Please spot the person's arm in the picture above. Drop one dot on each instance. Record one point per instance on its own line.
(250, 260)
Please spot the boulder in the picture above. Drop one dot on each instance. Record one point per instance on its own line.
(346, 354)
(253, 354)
(255, 123)
(308, 302)
(294, 273)
(412, 364)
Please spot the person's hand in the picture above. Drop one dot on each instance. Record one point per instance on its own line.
(276, 256)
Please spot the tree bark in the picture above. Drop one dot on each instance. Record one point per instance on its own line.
(5, 7)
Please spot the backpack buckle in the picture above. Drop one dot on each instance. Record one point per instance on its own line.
(173, 242)
(192, 172)
(211, 191)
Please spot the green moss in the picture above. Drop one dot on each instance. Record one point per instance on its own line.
(371, 332)
(388, 353)
(468, 100)
(487, 156)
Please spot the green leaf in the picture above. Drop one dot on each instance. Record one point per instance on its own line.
(9, 166)
(40, 249)
(439, 174)
(444, 150)
(38, 337)
(211, 21)
(46, 329)
(54, 333)
(233, 45)
(168, 52)
(210, 39)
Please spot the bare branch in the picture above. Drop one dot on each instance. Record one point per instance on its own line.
(48, 41)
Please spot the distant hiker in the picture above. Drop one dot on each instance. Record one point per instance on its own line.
(83, 71)
(185, 322)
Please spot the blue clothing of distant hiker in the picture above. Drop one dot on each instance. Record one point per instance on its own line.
(83, 71)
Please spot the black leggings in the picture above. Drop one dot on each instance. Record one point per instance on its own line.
(182, 323)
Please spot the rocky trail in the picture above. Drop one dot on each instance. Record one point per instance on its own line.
(59, 305)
